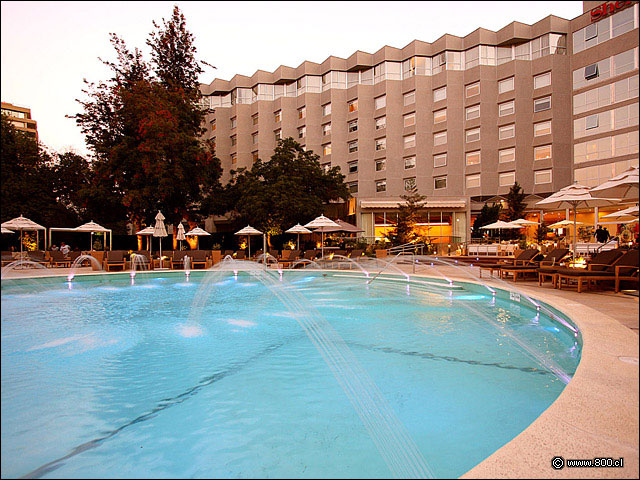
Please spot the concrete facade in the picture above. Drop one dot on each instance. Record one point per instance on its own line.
(21, 119)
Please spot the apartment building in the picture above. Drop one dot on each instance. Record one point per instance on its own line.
(460, 119)
(21, 119)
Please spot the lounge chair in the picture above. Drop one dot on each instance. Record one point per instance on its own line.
(114, 258)
(382, 253)
(7, 257)
(523, 258)
(288, 257)
(624, 267)
(198, 257)
(340, 252)
(599, 262)
(216, 256)
(177, 259)
(227, 253)
(57, 259)
(37, 256)
(240, 255)
(275, 254)
(554, 257)
(355, 254)
(310, 254)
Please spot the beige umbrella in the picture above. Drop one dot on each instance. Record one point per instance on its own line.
(248, 231)
(197, 231)
(564, 224)
(627, 212)
(22, 223)
(297, 228)
(523, 222)
(91, 227)
(320, 222)
(180, 235)
(146, 231)
(500, 225)
(6, 230)
(159, 230)
(570, 197)
(623, 186)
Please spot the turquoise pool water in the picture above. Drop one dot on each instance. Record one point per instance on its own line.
(214, 377)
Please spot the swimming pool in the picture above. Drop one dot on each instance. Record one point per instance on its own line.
(251, 375)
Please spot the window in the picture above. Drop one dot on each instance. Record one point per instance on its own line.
(326, 109)
(234, 122)
(353, 187)
(542, 128)
(410, 184)
(507, 155)
(278, 134)
(472, 181)
(381, 185)
(439, 138)
(352, 126)
(326, 129)
(381, 122)
(409, 98)
(440, 182)
(507, 108)
(302, 112)
(213, 142)
(473, 158)
(234, 140)
(254, 119)
(409, 119)
(507, 131)
(254, 156)
(325, 167)
(542, 153)
(254, 138)
(326, 149)
(440, 160)
(410, 141)
(591, 31)
(591, 122)
(380, 102)
(541, 104)
(472, 112)
(505, 85)
(234, 159)
(591, 71)
(409, 162)
(472, 90)
(542, 176)
(352, 146)
(277, 116)
(302, 131)
(353, 167)
(352, 106)
(507, 179)
(381, 165)
(439, 94)
(381, 143)
(440, 116)
(472, 135)
(213, 125)
(542, 80)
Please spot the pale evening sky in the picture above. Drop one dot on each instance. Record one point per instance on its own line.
(49, 47)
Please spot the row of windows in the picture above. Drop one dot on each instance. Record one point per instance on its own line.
(614, 119)
(606, 29)
(605, 148)
(606, 95)
(606, 68)
(597, 174)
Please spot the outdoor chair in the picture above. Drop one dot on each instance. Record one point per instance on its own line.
(216, 256)
(177, 259)
(58, 259)
(355, 254)
(7, 257)
(37, 256)
(310, 254)
(198, 257)
(145, 261)
(599, 262)
(523, 258)
(382, 253)
(114, 258)
(227, 253)
(554, 257)
(624, 267)
(275, 254)
(240, 255)
(289, 257)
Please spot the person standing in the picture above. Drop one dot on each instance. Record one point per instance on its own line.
(64, 248)
(600, 234)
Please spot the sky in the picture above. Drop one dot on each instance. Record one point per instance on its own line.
(48, 48)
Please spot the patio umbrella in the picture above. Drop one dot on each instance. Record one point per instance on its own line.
(623, 186)
(198, 232)
(6, 230)
(21, 224)
(523, 222)
(248, 231)
(159, 230)
(570, 197)
(298, 229)
(91, 227)
(342, 227)
(564, 224)
(500, 225)
(627, 212)
(146, 231)
(180, 236)
(320, 222)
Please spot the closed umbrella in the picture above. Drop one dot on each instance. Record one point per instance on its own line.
(570, 197)
(159, 230)
(198, 232)
(248, 231)
(623, 186)
(91, 227)
(298, 229)
(180, 236)
(21, 224)
(320, 222)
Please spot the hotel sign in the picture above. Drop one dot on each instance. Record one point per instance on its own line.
(608, 8)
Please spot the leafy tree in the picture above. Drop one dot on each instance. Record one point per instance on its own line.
(290, 188)
(515, 203)
(407, 218)
(488, 214)
(541, 233)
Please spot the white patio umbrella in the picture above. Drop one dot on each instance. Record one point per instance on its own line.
(523, 222)
(21, 224)
(248, 231)
(197, 231)
(297, 228)
(570, 197)
(623, 186)
(564, 224)
(146, 231)
(91, 227)
(6, 230)
(627, 212)
(500, 225)
(159, 230)
(319, 222)
(180, 235)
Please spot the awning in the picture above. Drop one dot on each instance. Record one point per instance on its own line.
(390, 203)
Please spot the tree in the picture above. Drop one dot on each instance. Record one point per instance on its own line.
(407, 218)
(488, 214)
(144, 126)
(515, 203)
(290, 188)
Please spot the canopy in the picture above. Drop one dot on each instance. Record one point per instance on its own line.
(523, 222)
(564, 224)
(145, 231)
(320, 222)
(22, 223)
(6, 230)
(623, 186)
(198, 232)
(91, 227)
(297, 228)
(627, 212)
(248, 230)
(343, 227)
(500, 225)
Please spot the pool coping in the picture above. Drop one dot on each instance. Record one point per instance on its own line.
(596, 415)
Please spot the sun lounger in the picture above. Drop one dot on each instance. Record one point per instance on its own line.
(554, 257)
(624, 267)
(288, 257)
(523, 258)
(599, 262)
(114, 258)
(177, 259)
(198, 258)
(57, 259)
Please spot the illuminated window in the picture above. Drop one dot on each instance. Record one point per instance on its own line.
(326, 129)
(543, 80)
(326, 149)
(507, 179)
(302, 112)
(507, 108)
(440, 160)
(409, 98)
(542, 153)
(352, 106)
(409, 162)
(409, 119)
(234, 159)
(278, 134)
(506, 85)
(473, 158)
(440, 116)
(507, 131)
(440, 182)
(213, 125)
(380, 102)
(542, 128)
(381, 122)
(254, 156)
(277, 116)
(543, 176)
(302, 131)
(507, 155)
(440, 94)
(472, 112)
(472, 90)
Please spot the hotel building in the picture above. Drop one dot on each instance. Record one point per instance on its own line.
(21, 119)
(460, 119)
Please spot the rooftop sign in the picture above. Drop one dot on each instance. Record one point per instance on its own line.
(607, 8)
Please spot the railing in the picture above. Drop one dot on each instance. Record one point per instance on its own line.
(612, 239)
(407, 248)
